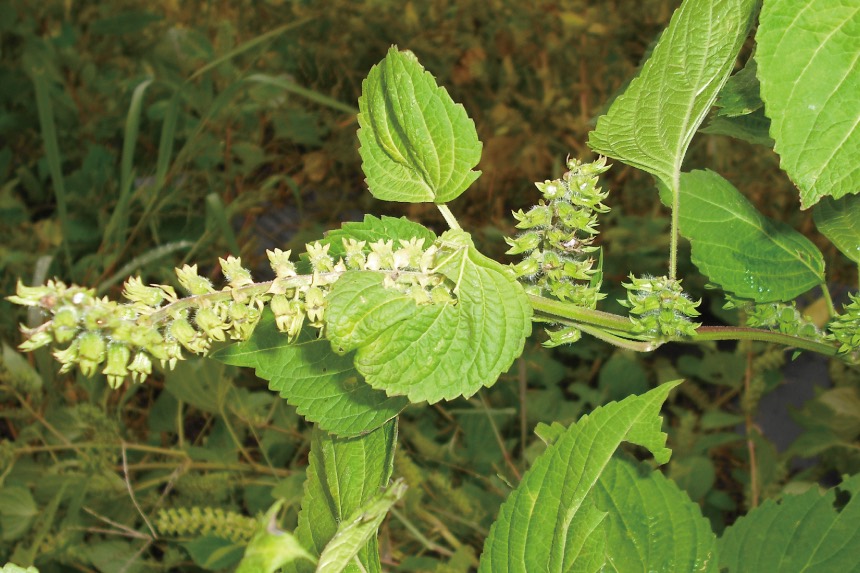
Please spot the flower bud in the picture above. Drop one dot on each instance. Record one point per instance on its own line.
(91, 352)
(209, 321)
(192, 282)
(237, 276)
(523, 244)
(140, 367)
(315, 304)
(36, 340)
(65, 323)
(135, 291)
(321, 261)
(281, 264)
(116, 368)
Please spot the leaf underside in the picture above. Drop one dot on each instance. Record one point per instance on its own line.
(810, 80)
(651, 124)
(323, 386)
(839, 221)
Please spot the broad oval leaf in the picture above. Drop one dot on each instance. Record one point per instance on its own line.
(810, 78)
(651, 124)
(577, 509)
(323, 386)
(435, 351)
(839, 221)
(740, 249)
(808, 532)
(417, 145)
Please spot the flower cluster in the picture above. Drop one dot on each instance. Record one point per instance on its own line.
(845, 328)
(659, 308)
(122, 340)
(557, 241)
(778, 316)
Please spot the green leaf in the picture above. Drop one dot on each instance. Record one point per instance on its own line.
(809, 532)
(12, 568)
(651, 124)
(355, 531)
(17, 511)
(344, 474)
(752, 128)
(435, 351)
(810, 78)
(577, 510)
(740, 96)
(678, 539)
(271, 548)
(740, 249)
(417, 145)
(839, 221)
(324, 387)
(214, 553)
(374, 229)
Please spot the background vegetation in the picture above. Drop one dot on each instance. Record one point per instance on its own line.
(137, 136)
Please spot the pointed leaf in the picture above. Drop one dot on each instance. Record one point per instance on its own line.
(417, 145)
(552, 521)
(839, 221)
(344, 474)
(740, 249)
(809, 532)
(810, 78)
(323, 386)
(355, 531)
(651, 124)
(432, 351)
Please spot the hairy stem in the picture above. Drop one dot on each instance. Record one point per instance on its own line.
(449, 216)
(674, 230)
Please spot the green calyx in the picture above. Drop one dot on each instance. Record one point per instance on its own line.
(557, 241)
(659, 308)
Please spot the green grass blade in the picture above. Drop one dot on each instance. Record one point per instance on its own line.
(250, 44)
(117, 229)
(52, 152)
(217, 214)
(141, 261)
(306, 93)
(165, 144)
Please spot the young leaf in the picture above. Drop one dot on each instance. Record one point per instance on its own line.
(343, 475)
(270, 548)
(808, 532)
(355, 531)
(432, 351)
(651, 124)
(556, 518)
(810, 78)
(740, 249)
(839, 221)
(417, 145)
(323, 386)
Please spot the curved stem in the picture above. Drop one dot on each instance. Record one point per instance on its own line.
(557, 309)
(618, 330)
(449, 216)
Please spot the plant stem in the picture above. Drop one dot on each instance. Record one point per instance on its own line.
(743, 333)
(674, 231)
(558, 309)
(449, 216)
